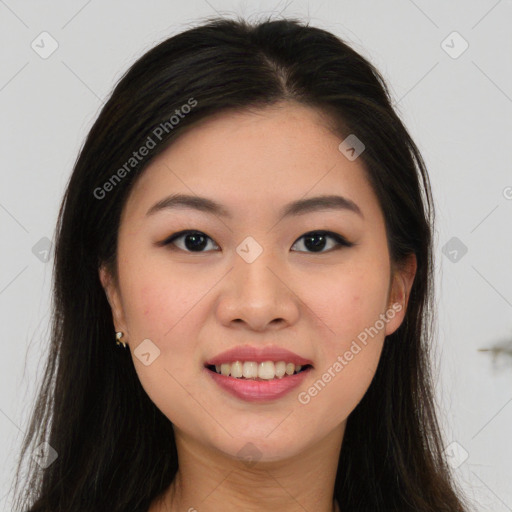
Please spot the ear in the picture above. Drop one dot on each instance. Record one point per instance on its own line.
(399, 293)
(114, 299)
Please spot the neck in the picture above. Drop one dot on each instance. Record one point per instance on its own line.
(210, 481)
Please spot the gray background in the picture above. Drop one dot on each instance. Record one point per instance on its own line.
(457, 106)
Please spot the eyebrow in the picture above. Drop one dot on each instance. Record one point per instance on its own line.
(299, 207)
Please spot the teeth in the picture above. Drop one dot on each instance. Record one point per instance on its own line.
(237, 369)
(280, 369)
(251, 370)
(267, 370)
(225, 368)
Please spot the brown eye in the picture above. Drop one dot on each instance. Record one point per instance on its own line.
(316, 241)
(193, 241)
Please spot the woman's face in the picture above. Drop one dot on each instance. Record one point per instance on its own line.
(251, 278)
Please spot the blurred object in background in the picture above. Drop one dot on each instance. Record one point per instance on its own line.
(501, 352)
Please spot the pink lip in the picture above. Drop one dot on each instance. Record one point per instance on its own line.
(258, 355)
(258, 390)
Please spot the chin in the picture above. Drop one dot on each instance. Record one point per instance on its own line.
(261, 448)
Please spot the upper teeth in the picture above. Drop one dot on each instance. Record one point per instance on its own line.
(251, 370)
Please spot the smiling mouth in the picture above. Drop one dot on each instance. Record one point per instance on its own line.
(265, 371)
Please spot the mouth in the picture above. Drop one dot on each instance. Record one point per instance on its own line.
(258, 371)
(243, 380)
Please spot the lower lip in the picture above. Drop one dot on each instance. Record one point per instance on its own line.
(259, 390)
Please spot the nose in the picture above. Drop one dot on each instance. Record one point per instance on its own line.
(258, 295)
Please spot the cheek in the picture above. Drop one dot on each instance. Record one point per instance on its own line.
(162, 310)
(348, 306)
(158, 302)
(165, 308)
(351, 336)
(330, 399)
(348, 357)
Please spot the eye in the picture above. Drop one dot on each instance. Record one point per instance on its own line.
(195, 241)
(314, 241)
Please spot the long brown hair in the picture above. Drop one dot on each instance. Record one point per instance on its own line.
(91, 405)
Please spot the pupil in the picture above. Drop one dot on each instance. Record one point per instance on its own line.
(195, 245)
(313, 246)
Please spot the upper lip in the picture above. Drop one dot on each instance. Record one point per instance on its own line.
(258, 355)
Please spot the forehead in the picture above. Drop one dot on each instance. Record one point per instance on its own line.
(255, 159)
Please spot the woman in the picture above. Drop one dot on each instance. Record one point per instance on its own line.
(243, 291)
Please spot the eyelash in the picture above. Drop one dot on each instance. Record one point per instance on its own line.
(341, 242)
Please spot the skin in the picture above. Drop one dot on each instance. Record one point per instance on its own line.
(194, 305)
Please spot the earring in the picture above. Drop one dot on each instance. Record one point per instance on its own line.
(119, 335)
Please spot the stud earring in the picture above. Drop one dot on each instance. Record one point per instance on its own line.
(119, 335)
